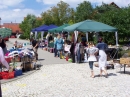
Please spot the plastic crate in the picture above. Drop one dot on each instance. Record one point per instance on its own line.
(7, 75)
(0, 75)
(18, 72)
(8, 59)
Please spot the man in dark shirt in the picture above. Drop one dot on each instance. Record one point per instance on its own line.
(35, 47)
(102, 57)
(3, 45)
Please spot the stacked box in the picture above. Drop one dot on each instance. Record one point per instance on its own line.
(125, 61)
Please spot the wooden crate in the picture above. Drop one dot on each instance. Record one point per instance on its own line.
(125, 61)
(27, 66)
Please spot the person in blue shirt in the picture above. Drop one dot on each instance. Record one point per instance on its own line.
(59, 45)
(102, 56)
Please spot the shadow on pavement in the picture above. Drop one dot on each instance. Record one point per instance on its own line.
(122, 72)
(41, 59)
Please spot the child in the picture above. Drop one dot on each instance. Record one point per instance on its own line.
(92, 58)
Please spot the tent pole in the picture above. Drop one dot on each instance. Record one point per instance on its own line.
(76, 35)
(68, 36)
(42, 33)
(35, 34)
(87, 36)
(97, 36)
(116, 35)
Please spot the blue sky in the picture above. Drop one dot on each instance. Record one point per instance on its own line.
(16, 10)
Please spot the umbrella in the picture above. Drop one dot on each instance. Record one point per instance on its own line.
(90, 26)
(58, 29)
(5, 32)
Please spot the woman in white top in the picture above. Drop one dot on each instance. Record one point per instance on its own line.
(92, 58)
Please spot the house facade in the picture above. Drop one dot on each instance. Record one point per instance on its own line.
(13, 26)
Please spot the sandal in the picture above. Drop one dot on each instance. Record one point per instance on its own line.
(100, 75)
(106, 76)
(92, 76)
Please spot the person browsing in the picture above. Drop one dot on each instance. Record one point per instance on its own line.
(35, 47)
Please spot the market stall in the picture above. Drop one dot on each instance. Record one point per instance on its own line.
(20, 60)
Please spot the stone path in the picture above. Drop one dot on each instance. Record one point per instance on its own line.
(68, 80)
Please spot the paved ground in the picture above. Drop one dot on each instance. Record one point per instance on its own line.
(58, 78)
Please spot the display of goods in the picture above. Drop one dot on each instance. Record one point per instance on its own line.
(28, 43)
(116, 60)
(48, 49)
(16, 59)
(27, 66)
(51, 50)
(70, 60)
(67, 58)
(18, 72)
(125, 61)
(8, 59)
(7, 75)
(45, 49)
(0, 75)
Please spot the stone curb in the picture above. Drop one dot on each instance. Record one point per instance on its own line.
(19, 77)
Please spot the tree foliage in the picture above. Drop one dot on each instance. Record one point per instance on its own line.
(59, 14)
(62, 13)
(83, 11)
(28, 23)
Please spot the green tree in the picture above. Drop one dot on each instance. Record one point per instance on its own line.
(83, 11)
(116, 17)
(47, 17)
(27, 24)
(59, 14)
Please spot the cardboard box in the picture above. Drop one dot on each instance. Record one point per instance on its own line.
(125, 61)
(27, 66)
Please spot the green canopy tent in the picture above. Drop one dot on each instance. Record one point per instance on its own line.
(5, 32)
(91, 26)
(58, 29)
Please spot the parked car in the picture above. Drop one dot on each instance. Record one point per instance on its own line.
(12, 36)
(6, 38)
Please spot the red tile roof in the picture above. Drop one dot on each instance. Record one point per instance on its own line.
(14, 26)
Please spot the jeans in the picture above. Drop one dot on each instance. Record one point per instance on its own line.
(91, 65)
(60, 51)
(55, 52)
(36, 54)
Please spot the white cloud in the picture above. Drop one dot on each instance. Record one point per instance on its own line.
(9, 3)
(16, 15)
(17, 10)
(8, 15)
(3, 6)
(121, 3)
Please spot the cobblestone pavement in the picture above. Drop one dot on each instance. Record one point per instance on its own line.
(69, 80)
